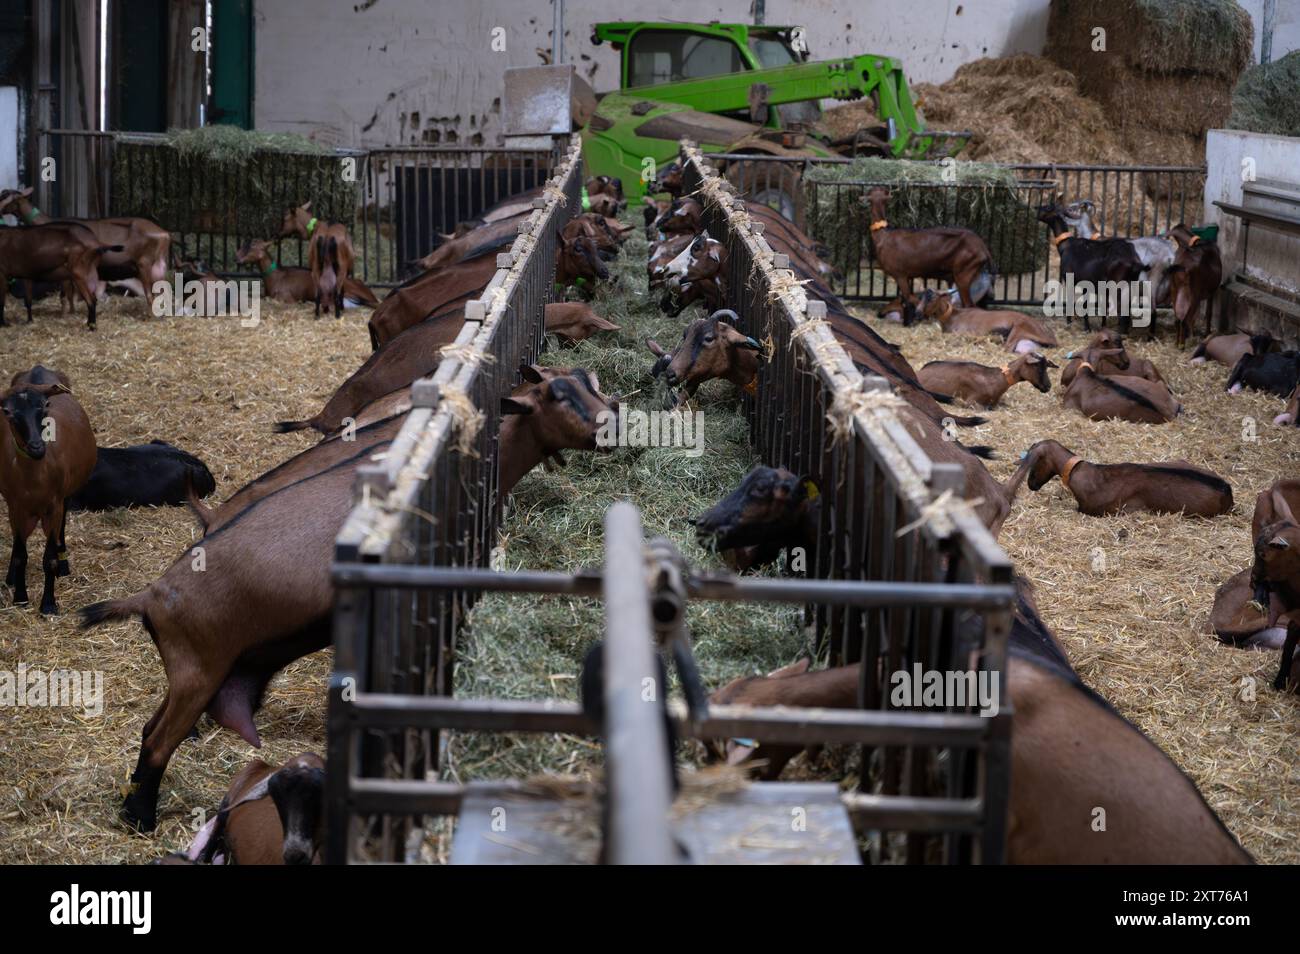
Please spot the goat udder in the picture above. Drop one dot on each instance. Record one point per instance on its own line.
(232, 706)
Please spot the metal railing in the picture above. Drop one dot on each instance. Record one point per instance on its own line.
(433, 501)
(398, 201)
(412, 555)
(1131, 201)
(875, 483)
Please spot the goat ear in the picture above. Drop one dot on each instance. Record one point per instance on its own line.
(306, 206)
(512, 406)
(1051, 363)
(1279, 542)
(25, 193)
(531, 374)
(1281, 508)
(656, 348)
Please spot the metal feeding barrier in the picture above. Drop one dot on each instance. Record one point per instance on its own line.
(1131, 201)
(406, 197)
(433, 501)
(414, 554)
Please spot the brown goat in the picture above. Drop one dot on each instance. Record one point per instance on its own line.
(264, 599)
(1020, 332)
(1229, 349)
(145, 246)
(488, 237)
(1103, 489)
(1275, 577)
(270, 815)
(47, 452)
(573, 321)
(710, 348)
(982, 385)
(414, 353)
(59, 252)
(1104, 398)
(294, 285)
(1070, 752)
(1112, 362)
(1237, 619)
(791, 686)
(552, 410)
(432, 293)
(578, 263)
(953, 254)
(1194, 279)
(330, 253)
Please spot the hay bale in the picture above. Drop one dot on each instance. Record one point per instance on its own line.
(222, 179)
(1211, 38)
(1168, 65)
(1021, 108)
(988, 195)
(1267, 98)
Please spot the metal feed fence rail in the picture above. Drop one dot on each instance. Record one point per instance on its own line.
(814, 415)
(432, 501)
(1131, 201)
(411, 557)
(407, 197)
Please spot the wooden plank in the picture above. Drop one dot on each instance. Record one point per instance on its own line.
(769, 823)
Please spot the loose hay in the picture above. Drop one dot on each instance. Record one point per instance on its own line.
(213, 388)
(1267, 98)
(531, 647)
(1130, 596)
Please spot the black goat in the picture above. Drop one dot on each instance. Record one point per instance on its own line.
(146, 475)
(1275, 372)
(1090, 260)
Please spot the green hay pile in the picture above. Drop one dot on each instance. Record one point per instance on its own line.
(1267, 98)
(987, 202)
(222, 179)
(532, 647)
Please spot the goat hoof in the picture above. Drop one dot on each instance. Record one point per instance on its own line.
(1279, 684)
(63, 569)
(49, 609)
(142, 822)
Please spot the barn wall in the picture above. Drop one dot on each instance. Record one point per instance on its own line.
(400, 71)
(1286, 26)
(1273, 256)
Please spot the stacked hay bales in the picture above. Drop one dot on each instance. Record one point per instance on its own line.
(1267, 98)
(1166, 72)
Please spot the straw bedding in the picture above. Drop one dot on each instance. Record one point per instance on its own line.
(1130, 596)
(209, 387)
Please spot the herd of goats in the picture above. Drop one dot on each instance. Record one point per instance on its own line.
(265, 598)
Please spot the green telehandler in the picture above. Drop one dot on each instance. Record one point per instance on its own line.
(743, 89)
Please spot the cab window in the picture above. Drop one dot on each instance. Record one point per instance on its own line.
(666, 56)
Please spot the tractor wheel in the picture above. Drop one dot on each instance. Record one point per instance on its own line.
(778, 185)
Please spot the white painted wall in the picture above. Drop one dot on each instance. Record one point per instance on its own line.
(8, 136)
(402, 71)
(1273, 257)
(1286, 26)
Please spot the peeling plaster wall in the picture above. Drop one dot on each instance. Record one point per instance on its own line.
(377, 72)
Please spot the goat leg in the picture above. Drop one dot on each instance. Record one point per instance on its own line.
(63, 568)
(180, 712)
(17, 575)
(50, 564)
(1288, 651)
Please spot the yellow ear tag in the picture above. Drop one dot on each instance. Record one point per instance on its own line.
(752, 387)
(811, 489)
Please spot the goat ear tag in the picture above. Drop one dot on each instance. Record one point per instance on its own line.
(811, 489)
(752, 387)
